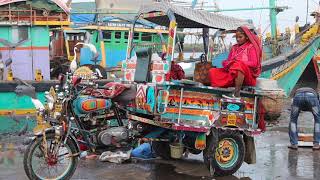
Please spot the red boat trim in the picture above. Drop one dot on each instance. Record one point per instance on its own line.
(24, 48)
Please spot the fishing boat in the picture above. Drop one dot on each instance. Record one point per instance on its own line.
(287, 57)
(24, 48)
(50, 38)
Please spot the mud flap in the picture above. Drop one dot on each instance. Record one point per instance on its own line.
(211, 168)
(214, 135)
(250, 154)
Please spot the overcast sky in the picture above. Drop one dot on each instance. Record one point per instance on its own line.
(261, 17)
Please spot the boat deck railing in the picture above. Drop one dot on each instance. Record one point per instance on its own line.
(12, 17)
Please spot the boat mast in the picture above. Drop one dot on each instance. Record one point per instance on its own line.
(273, 19)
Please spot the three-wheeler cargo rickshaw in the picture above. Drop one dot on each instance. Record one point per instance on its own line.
(183, 116)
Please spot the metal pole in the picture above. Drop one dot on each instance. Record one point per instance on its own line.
(273, 19)
(180, 105)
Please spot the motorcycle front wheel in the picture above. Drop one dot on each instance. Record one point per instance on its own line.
(60, 165)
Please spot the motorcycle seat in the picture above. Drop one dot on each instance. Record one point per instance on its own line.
(110, 90)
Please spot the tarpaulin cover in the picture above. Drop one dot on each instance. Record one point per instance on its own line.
(190, 18)
(86, 56)
(83, 18)
(40, 4)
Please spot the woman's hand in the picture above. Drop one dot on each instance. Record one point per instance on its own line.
(226, 64)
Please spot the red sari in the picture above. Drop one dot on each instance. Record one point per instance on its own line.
(245, 58)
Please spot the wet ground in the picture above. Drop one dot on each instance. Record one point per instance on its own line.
(274, 160)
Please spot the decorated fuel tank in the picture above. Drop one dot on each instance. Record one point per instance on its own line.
(86, 104)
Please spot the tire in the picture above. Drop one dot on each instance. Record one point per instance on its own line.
(27, 161)
(233, 144)
(161, 149)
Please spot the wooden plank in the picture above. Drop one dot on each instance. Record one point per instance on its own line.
(305, 137)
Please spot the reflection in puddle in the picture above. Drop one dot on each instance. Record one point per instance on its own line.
(304, 164)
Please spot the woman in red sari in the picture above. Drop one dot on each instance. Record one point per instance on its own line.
(243, 65)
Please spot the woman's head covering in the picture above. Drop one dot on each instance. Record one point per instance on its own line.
(256, 44)
(254, 40)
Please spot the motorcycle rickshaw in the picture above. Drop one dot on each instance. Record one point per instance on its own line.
(178, 117)
(186, 116)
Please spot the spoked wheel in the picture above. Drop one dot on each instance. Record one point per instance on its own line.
(227, 155)
(51, 162)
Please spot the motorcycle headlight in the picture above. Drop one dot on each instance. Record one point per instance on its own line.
(60, 95)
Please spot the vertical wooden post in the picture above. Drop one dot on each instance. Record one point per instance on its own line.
(103, 51)
(130, 38)
(67, 46)
(10, 14)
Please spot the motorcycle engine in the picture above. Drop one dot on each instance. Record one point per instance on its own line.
(113, 135)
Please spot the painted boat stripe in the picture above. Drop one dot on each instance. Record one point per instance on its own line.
(25, 48)
(17, 112)
(290, 68)
(125, 29)
(46, 23)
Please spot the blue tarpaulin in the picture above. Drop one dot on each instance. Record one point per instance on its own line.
(83, 18)
(86, 56)
(83, 7)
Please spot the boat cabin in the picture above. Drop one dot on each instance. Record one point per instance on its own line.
(24, 36)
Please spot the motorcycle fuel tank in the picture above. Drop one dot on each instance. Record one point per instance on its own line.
(86, 104)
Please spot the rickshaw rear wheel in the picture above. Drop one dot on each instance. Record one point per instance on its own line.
(226, 153)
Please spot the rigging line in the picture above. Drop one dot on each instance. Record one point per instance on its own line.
(264, 31)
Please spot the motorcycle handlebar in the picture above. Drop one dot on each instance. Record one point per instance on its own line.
(102, 87)
(93, 86)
